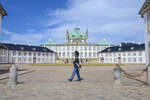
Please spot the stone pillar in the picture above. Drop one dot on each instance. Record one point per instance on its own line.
(13, 75)
(117, 76)
(148, 76)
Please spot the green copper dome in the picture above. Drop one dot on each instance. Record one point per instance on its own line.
(49, 42)
(77, 34)
(104, 42)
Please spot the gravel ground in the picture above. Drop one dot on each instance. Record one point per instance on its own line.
(51, 83)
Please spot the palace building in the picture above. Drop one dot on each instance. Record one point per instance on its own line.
(77, 41)
(17, 53)
(126, 53)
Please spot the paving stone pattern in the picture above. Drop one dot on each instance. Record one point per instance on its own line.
(50, 83)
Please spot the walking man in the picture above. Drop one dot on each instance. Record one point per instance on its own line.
(77, 67)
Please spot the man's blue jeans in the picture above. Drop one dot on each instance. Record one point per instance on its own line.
(74, 72)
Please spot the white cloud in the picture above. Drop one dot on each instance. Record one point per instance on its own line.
(25, 38)
(115, 20)
(101, 17)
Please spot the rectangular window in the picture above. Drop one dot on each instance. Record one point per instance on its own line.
(85, 54)
(123, 54)
(110, 59)
(39, 54)
(89, 54)
(34, 53)
(114, 54)
(119, 54)
(140, 53)
(25, 53)
(134, 59)
(89, 48)
(29, 53)
(14, 53)
(105, 59)
(43, 60)
(43, 54)
(106, 54)
(124, 60)
(39, 59)
(134, 53)
(68, 48)
(93, 48)
(129, 53)
(13, 59)
(85, 48)
(19, 53)
(81, 54)
(19, 59)
(115, 59)
(64, 48)
(5, 52)
(140, 59)
(63, 54)
(77, 48)
(98, 48)
(24, 60)
(29, 59)
(59, 54)
(129, 59)
(109, 54)
(81, 48)
(68, 54)
(94, 55)
(1, 51)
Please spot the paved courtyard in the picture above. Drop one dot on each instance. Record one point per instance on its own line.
(50, 83)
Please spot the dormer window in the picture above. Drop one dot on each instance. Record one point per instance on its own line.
(33, 49)
(132, 48)
(120, 49)
(120, 45)
(44, 49)
(108, 49)
(22, 48)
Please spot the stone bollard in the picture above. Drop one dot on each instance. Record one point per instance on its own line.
(148, 76)
(13, 75)
(117, 76)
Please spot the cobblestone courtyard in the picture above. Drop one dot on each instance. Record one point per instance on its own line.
(50, 83)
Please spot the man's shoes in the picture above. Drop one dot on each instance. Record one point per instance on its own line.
(69, 79)
(80, 79)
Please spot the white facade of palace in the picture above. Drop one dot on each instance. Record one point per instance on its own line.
(77, 41)
(133, 54)
(43, 55)
(128, 57)
(86, 51)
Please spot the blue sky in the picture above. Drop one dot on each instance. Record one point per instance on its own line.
(35, 21)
